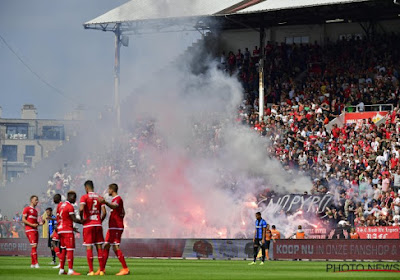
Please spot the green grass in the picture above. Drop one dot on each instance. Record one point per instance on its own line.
(19, 268)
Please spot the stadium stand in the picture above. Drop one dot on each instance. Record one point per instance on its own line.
(308, 85)
(359, 162)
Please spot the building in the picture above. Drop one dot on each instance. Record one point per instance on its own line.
(26, 141)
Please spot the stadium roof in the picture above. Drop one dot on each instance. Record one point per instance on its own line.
(140, 10)
(273, 5)
(137, 14)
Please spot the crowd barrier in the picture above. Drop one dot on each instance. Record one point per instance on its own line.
(231, 249)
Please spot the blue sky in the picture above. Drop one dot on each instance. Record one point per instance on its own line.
(50, 38)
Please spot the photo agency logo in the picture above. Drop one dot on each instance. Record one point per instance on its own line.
(360, 267)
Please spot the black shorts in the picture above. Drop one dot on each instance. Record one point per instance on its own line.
(267, 243)
(258, 242)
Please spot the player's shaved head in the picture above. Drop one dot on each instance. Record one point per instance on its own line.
(71, 196)
(89, 185)
(33, 197)
(113, 187)
(57, 198)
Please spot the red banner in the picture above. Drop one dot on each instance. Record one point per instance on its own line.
(357, 117)
(152, 248)
(337, 249)
(378, 232)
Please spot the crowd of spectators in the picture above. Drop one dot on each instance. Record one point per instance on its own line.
(359, 162)
(307, 86)
(11, 228)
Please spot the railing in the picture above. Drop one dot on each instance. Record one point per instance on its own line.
(339, 121)
(369, 108)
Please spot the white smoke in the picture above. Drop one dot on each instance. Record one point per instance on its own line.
(210, 166)
(203, 181)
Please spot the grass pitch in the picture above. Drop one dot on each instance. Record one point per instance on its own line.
(19, 268)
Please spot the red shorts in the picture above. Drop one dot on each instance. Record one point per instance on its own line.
(93, 235)
(113, 236)
(55, 236)
(67, 241)
(33, 237)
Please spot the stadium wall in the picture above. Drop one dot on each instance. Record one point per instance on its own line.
(232, 40)
(232, 249)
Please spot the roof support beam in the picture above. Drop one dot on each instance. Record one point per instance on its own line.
(117, 61)
(261, 71)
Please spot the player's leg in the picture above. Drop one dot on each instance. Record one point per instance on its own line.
(99, 241)
(99, 248)
(106, 252)
(70, 254)
(267, 244)
(55, 245)
(35, 241)
(255, 251)
(89, 257)
(70, 258)
(63, 254)
(55, 240)
(31, 240)
(63, 257)
(256, 248)
(117, 241)
(262, 248)
(113, 237)
(34, 255)
(106, 249)
(121, 258)
(88, 242)
(53, 253)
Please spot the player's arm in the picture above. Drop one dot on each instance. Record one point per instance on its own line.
(263, 234)
(28, 223)
(81, 209)
(74, 218)
(255, 234)
(103, 212)
(111, 205)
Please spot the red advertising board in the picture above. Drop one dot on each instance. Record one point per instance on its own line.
(361, 249)
(348, 249)
(356, 117)
(378, 232)
(160, 248)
